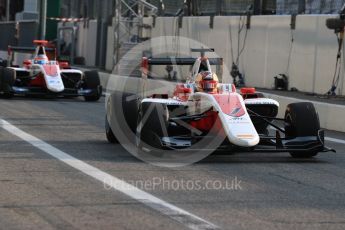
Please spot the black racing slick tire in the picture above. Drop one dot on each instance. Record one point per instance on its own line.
(109, 133)
(301, 120)
(93, 82)
(152, 125)
(7, 79)
(1, 73)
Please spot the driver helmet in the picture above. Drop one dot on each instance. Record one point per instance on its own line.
(41, 59)
(207, 82)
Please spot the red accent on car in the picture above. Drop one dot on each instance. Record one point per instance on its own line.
(27, 63)
(38, 81)
(64, 65)
(207, 123)
(230, 104)
(233, 88)
(145, 66)
(248, 90)
(182, 92)
(40, 42)
(51, 70)
(250, 93)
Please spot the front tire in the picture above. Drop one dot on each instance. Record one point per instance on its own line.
(7, 79)
(93, 82)
(109, 133)
(301, 120)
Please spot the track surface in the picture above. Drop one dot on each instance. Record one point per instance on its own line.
(38, 191)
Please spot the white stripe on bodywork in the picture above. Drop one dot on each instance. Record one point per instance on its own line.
(164, 101)
(261, 101)
(335, 140)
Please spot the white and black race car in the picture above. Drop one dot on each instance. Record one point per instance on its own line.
(202, 108)
(41, 76)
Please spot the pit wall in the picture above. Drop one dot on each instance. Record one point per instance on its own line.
(268, 43)
(86, 45)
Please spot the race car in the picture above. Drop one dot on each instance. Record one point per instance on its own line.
(203, 108)
(41, 76)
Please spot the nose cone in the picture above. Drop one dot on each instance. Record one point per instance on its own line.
(58, 88)
(240, 131)
(55, 84)
(246, 140)
(53, 78)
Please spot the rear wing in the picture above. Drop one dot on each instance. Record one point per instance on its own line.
(202, 50)
(147, 62)
(178, 61)
(22, 49)
(51, 52)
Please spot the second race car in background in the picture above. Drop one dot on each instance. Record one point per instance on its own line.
(41, 76)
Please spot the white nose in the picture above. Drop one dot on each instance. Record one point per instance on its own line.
(57, 88)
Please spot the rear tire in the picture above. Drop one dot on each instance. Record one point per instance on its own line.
(301, 120)
(109, 133)
(7, 79)
(93, 82)
(1, 73)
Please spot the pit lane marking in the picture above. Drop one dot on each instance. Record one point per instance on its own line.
(335, 140)
(186, 218)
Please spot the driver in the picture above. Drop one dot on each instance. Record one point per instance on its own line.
(207, 82)
(41, 59)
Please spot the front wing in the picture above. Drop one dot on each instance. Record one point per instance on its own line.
(68, 92)
(267, 144)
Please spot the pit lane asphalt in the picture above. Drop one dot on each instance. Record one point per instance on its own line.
(38, 191)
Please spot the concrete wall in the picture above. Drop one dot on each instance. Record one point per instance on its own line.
(267, 48)
(87, 42)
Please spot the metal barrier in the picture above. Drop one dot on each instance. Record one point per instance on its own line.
(236, 7)
(309, 6)
(323, 6)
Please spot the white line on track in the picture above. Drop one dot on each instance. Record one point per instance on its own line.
(335, 140)
(187, 219)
